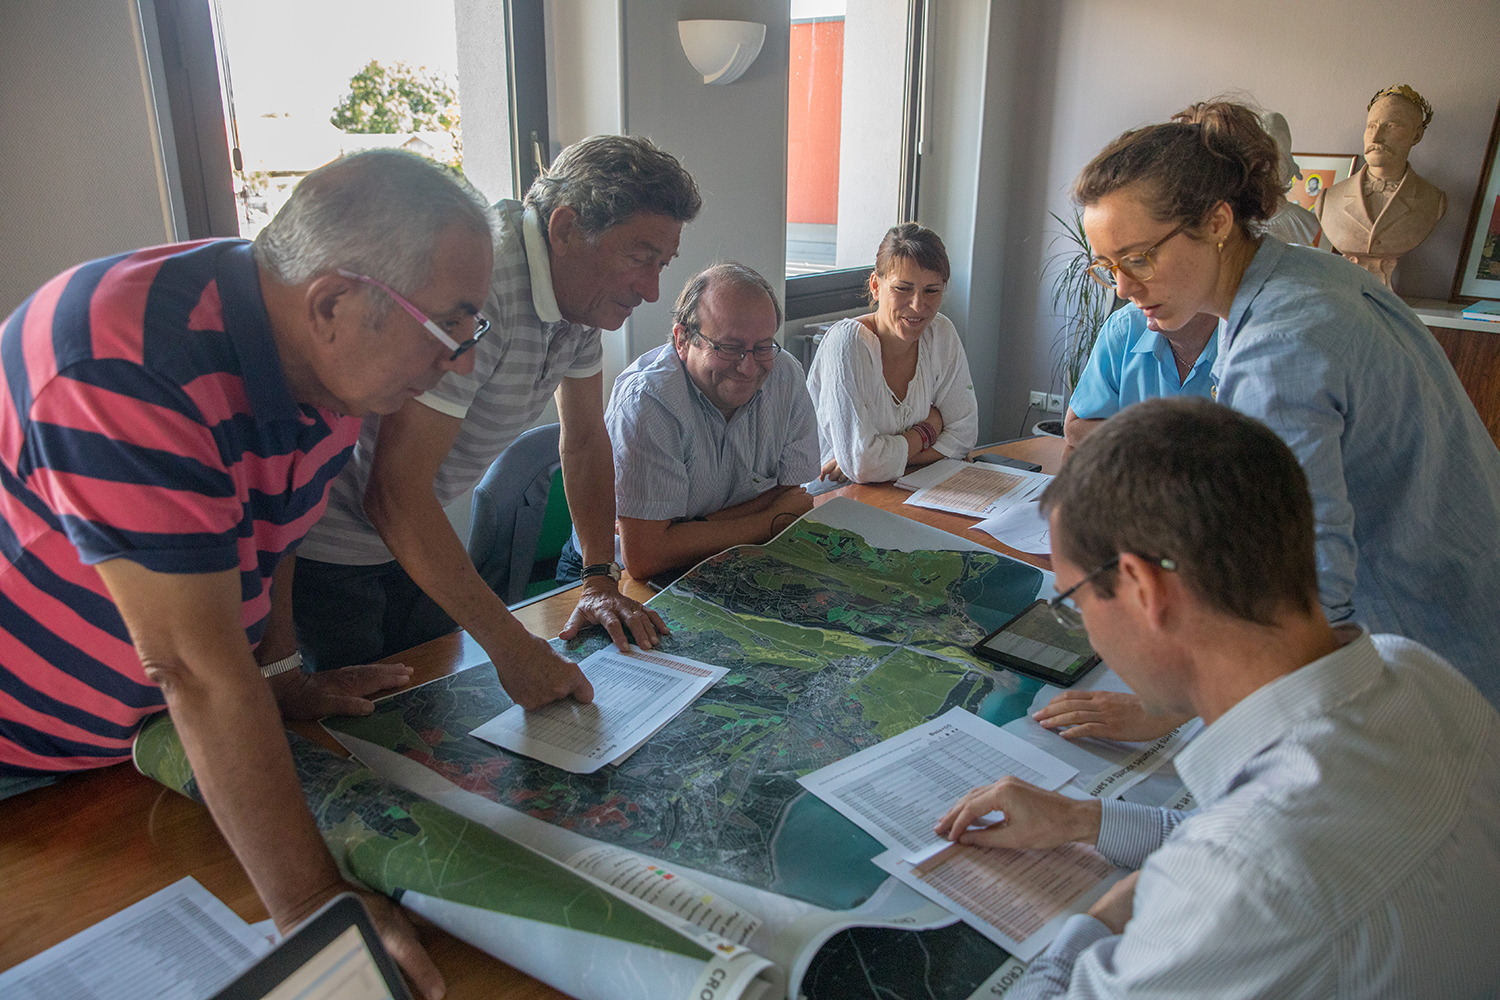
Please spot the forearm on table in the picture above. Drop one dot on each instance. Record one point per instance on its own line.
(415, 528)
(755, 505)
(652, 547)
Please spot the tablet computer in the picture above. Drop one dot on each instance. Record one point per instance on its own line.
(334, 955)
(1035, 643)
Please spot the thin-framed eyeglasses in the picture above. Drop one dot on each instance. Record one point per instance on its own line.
(1068, 616)
(725, 352)
(481, 325)
(1140, 266)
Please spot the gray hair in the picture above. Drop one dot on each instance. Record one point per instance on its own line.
(378, 212)
(729, 272)
(607, 179)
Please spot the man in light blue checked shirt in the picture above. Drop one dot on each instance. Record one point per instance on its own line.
(1346, 841)
(713, 432)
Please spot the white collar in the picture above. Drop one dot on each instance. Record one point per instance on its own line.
(543, 299)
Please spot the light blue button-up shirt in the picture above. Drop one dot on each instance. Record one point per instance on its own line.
(1131, 362)
(1346, 844)
(677, 457)
(1404, 477)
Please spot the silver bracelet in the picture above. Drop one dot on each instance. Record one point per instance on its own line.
(281, 666)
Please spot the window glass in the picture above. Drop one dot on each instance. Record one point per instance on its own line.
(308, 80)
(846, 119)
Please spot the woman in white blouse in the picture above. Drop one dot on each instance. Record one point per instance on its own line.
(892, 387)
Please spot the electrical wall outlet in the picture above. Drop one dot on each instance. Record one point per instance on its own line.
(1038, 398)
(1055, 402)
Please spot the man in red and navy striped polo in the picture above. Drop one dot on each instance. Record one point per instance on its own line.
(169, 422)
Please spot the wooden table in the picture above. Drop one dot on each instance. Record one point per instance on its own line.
(78, 851)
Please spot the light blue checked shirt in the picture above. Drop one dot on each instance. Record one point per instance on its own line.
(1405, 479)
(1131, 362)
(1346, 844)
(677, 457)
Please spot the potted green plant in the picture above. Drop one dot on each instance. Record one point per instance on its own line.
(1080, 302)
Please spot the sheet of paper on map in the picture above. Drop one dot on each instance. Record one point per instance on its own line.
(635, 694)
(1021, 526)
(898, 789)
(1018, 899)
(981, 490)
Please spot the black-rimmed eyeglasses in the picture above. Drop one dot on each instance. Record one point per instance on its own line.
(1067, 615)
(734, 354)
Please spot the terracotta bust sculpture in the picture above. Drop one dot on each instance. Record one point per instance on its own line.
(1384, 209)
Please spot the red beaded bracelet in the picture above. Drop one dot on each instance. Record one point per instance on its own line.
(926, 433)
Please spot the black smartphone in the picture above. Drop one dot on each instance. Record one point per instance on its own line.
(1036, 644)
(1014, 463)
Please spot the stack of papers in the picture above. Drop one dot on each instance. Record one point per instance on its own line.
(635, 695)
(896, 792)
(980, 490)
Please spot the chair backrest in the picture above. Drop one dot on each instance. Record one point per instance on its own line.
(509, 508)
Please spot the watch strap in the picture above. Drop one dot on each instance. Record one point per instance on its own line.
(609, 569)
(283, 665)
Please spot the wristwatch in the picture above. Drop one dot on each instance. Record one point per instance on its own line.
(609, 569)
(283, 665)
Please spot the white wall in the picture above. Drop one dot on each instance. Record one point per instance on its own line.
(1086, 70)
(731, 138)
(83, 169)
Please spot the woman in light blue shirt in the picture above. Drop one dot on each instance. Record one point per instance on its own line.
(1405, 479)
(1133, 360)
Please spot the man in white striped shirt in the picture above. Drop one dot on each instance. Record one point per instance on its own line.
(1346, 841)
(384, 570)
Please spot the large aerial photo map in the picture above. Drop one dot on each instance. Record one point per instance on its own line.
(841, 632)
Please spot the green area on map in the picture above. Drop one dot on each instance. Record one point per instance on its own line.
(832, 645)
(393, 840)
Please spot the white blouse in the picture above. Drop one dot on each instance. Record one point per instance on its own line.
(860, 421)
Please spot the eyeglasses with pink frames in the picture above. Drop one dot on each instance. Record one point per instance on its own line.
(481, 325)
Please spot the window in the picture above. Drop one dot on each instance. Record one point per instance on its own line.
(854, 100)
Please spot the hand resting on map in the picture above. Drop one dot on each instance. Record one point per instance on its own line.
(1105, 715)
(1034, 818)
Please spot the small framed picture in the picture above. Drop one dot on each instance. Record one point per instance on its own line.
(1320, 171)
(1478, 274)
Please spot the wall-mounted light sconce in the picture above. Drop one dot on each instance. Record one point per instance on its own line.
(721, 50)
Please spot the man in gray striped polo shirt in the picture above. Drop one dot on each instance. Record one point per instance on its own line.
(1346, 841)
(712, 433)
(384, 570)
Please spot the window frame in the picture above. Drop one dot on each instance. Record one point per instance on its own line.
(846, 288)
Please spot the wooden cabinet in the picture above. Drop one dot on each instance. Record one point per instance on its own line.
(1473, 346)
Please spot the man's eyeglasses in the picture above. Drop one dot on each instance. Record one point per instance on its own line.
(1140, 266)
(1068, 616)
(735, 354)
(481, 325)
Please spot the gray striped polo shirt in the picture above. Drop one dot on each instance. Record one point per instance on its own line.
(517, 366)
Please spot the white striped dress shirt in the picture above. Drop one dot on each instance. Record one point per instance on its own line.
(675, 454)
(1347, 844)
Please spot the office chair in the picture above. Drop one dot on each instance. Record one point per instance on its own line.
(517, 517)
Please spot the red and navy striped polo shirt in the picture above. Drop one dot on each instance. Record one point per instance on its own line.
(144, 415)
